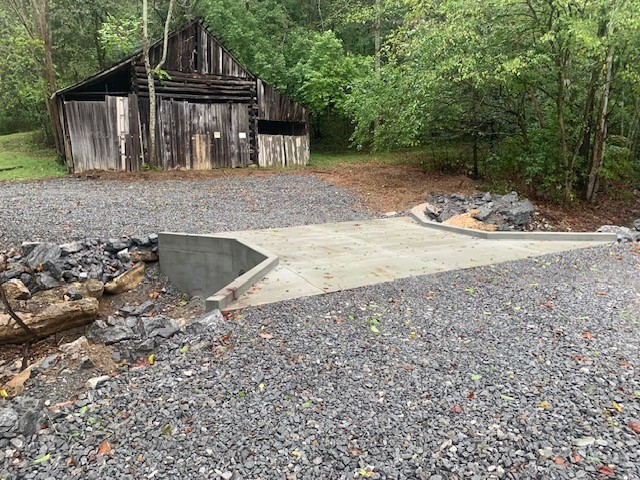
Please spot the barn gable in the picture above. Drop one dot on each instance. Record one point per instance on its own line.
(211, 112)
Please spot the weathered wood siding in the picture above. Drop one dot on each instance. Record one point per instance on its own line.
(200, 135)
(274, 106)
(95, 133)
(283, 150)
(193, 50)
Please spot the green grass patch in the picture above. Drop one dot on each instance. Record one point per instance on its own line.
(446, 156)
(403, 157)
(23, 157)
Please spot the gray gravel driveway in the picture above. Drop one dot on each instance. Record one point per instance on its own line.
(527, 369)
(67, 209)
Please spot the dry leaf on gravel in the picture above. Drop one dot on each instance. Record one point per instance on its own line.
(606, 470)
(560, 461)
(104, 448)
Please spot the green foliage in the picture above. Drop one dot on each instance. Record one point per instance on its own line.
(532, 169)
(22, 88)
(119, 36)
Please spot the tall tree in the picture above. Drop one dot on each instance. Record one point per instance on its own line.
(152, 72)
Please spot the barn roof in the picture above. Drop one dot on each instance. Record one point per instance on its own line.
(104, 74)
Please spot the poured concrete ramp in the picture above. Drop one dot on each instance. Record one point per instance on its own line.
(316, 259)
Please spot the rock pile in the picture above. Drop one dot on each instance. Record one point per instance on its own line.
(625, 235)
(135, 329)
(43, 265)
(505, 212)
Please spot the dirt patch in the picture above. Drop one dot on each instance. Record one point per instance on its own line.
(175, 174)
(399, 187)
(584, 217)
(388, 187)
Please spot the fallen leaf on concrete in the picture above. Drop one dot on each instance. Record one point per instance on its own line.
(587, 335)
(635, 426)
(601, 292)
(576, 458)
(560, 461)
(457, 409)
(265, 335)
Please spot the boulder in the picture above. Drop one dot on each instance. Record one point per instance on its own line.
(141, 240)
(21, 416)
(54, 318)
(71, 247)
(114, 245)
(518, 214)
(158, 326)
(100, 332)
(128, 280)
(636, 225)
(14, 289)
(624, 234)
(41, 253)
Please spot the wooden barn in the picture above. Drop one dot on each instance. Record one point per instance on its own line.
(211, 112)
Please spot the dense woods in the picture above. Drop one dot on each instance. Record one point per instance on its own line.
(544, 93)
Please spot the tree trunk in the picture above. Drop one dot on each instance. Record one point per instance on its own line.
(377, 42)
(566, 159)
(600, 136)
(40, 9)
(151, 75)
(536, 106)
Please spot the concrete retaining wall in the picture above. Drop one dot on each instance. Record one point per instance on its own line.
(217, 269)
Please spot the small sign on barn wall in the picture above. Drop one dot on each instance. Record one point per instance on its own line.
(216, 134)
(243, 135)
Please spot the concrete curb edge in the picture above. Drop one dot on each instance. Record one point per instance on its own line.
(417, 213)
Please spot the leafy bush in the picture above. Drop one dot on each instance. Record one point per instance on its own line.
(534, 169)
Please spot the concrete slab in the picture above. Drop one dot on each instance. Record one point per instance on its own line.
(316, 259)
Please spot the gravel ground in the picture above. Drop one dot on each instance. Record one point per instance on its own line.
(528, 369)
(69, 209)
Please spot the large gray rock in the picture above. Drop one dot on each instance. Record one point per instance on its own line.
(636, 225)
(141, 240)
(21, 416)
(158, 326)
(100, 332)
(114, 245)
(41, 253)
(519, 213)
(71, 247)
(624, 234)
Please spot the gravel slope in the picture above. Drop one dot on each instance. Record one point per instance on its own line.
(66, 209)
(450, 386)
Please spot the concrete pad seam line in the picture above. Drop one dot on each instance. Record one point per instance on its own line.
(300, 276)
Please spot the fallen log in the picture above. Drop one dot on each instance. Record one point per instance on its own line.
(52, 319)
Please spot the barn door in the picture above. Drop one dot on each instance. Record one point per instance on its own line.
(93, 134)
(240, 130)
